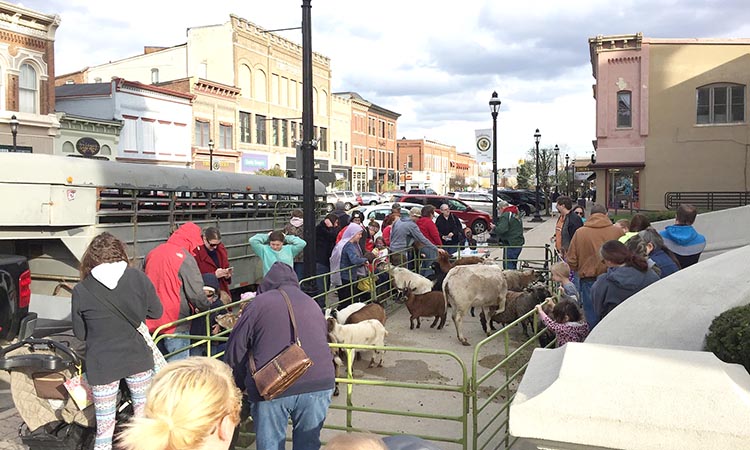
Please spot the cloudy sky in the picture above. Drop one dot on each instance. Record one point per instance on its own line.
(435, 62)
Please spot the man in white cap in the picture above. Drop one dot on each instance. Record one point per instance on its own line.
(404, 234)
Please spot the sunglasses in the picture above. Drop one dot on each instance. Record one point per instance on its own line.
(212, 244)
(579, 213)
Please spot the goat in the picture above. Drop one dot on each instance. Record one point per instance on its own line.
(443, 265)
(345, 312)
(404, 277)
(518, 304)
(369, 332)
(475, 285)
(431, 304)
(518, 280)
(368, 311)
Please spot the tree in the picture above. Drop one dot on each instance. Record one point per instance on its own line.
(525, 174)
(272, 172)
(389, 186)
(546, 173)
(457, 183)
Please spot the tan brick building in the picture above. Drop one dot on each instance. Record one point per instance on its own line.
(27, 74)
(671, 120)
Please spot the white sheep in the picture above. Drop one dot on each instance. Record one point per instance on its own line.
(403, 278)
(368, 332)
(474, 285)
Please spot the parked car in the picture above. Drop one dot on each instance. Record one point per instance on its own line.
(429, 191)
(381, 211)
(525, 199)
(483, 201)
(348, 197)
(478, 221)
(370, 198)
(15, 294)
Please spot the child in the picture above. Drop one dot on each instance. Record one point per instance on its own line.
(568, 324)
(624, 225)
(561, 274)
(469, 239)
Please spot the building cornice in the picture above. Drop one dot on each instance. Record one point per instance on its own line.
(28, 22)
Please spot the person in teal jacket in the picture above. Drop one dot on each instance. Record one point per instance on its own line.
(275, 246)
(509, 230)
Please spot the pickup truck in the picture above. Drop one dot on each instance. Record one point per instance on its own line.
(15, 294)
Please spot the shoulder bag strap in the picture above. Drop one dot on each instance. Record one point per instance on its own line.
(250, 358)
(104, 295)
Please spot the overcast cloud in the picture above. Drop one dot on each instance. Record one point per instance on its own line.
(434, 62)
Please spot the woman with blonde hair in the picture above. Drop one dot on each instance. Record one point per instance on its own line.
(193, 404)
(110, 298)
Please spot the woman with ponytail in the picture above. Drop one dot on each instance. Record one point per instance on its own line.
(193, 404)
(627, 273)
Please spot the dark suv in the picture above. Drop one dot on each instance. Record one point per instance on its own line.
(478, 221)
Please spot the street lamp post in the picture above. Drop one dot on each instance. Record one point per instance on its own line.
(494, 109)
(405, 173)
(537, 138)
(210, 154)
(557, 180)
(14, 130)
(567, 175)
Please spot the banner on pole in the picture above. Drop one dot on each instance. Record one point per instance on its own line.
(484, 145)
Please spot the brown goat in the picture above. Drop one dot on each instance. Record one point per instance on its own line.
(431, 304)
(369, 311)
(518, 280)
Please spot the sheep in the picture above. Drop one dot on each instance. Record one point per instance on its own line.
(369, 332)
(475, 285)
(518, 304)
(431, 304)
(404, 277)
(443, 265)
(369, 311)
(518, 280)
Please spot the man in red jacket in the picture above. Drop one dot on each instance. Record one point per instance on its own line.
(179, 285)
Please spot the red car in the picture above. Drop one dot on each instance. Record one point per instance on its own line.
(478, 221)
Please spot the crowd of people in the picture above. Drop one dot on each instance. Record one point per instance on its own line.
(195, 402)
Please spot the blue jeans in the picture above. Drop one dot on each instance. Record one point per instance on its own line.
(172, 344)
(430, 255)
(308, 412)
(511, 258)
(299, 269)
(588, 303)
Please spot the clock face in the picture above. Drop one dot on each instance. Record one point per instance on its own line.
(483, 143)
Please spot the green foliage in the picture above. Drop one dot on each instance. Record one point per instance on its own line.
(340, 185)
(525, 175)
(389, 186)
(729, 336)
(272, 172)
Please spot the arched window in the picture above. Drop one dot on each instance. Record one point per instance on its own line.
(260, 86)
(245, 81)
(323, 102)
(27, 89)
(315, 101)
(624, 109)
(720, 103)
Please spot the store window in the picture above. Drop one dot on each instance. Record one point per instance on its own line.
(623, 187)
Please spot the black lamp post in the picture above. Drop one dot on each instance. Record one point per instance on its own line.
(557, 181)
(494, 108)
(537, 138)
(210, 154)
(14, 130)
(567, 175)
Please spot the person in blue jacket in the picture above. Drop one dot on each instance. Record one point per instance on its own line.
(682, 239)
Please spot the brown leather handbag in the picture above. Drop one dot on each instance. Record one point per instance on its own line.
(284, 369)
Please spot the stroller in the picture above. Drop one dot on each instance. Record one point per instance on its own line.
(51, 420)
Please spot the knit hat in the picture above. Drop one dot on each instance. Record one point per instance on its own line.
(415, 212)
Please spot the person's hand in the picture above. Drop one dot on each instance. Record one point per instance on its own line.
(450, 235)
(216, 329)
(538, 308)
(442, 250)
(328, 223)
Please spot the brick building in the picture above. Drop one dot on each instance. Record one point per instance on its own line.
(427, 163)
(27, 74)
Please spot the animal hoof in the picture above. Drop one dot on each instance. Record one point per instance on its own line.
(372, 364)
(465, 342)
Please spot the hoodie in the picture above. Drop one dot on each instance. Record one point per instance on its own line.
(583, 253)
(616, 285)
(107, 334)
(686, 243)
(264, 330)
(174, 272)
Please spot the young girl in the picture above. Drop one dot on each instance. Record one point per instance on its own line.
(568, 324)
(561, 274)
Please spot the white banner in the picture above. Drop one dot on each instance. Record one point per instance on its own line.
(484, 145)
